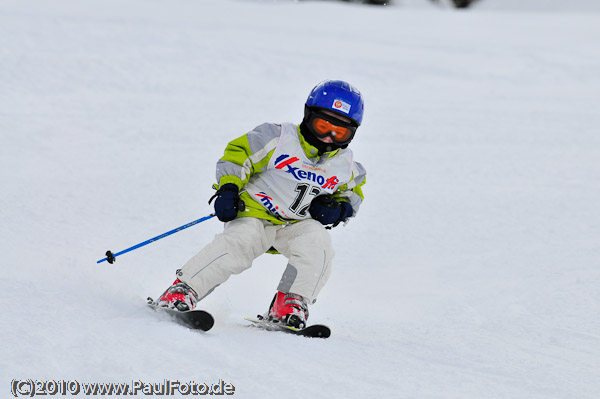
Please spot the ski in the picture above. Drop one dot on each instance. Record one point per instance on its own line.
(312, 331)
(195, 319)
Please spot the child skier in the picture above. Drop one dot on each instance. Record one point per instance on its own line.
(278, 187)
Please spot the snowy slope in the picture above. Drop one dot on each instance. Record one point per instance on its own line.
(472, 270)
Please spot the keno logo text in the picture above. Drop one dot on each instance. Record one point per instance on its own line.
(284, 161)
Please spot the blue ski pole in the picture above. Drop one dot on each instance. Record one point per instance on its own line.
(110, 257)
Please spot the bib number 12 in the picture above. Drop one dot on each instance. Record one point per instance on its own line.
(303, 189)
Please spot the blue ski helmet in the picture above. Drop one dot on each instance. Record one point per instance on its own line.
(338, 96)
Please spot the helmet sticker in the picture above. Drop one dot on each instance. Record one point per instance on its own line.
(341, 105)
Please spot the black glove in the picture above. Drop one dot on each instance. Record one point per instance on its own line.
(228, 202)
(327, 210)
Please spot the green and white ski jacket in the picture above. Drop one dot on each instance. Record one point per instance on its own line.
(279, 173)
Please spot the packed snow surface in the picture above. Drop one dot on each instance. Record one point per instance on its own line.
(471, 271)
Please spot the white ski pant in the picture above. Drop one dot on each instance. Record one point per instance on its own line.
(306, 245)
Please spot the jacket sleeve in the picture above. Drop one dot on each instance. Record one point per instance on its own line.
(247, 155)
(352, 191)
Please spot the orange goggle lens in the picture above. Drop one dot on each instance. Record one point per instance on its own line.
(323, 128)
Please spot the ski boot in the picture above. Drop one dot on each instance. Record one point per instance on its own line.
(178, 296)
(290, 309)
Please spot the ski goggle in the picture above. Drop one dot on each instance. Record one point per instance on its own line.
(324, 125)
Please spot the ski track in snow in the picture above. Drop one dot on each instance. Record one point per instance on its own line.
(472, 270)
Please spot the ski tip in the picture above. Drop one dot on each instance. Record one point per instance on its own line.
(196, 319)
(311, 331)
